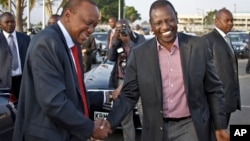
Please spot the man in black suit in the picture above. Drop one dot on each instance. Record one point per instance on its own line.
(112, 24)
(53, 104)
(11, 74)
(225, 60)
(174, 75)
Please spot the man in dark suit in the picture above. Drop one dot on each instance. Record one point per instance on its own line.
(225, 60)
(10, 76)
(53, 104)
(88, 48)
(173, 73)
(112, 24)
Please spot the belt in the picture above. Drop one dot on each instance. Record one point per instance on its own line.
(175, 119)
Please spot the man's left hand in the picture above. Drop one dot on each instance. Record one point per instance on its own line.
(222, 135)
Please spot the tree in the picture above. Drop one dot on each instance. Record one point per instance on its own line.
(131, 14)
(109, 8)
(209, 19)
(17, 8)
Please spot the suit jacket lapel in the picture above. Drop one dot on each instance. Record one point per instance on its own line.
(154, 65)
(224, 43)
(185, 53)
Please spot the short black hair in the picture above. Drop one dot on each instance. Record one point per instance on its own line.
(6, 14)
(161, 3)
(72, 4)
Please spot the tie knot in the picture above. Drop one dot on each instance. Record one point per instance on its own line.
(10, 36)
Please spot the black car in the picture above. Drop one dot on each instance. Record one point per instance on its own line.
(101, 44)
(7, 115)
(96, 80)
(240, 43)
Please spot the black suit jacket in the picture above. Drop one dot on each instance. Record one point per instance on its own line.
(6, 61)
(203, 89)
(50, 106)
(226, 64)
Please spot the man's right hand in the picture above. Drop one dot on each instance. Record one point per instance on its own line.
(101, 129)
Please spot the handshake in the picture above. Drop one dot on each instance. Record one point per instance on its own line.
(101, 130)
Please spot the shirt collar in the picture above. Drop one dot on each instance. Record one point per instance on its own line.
(6, 34)
(221, 32)
(66, 35)
(175, 44)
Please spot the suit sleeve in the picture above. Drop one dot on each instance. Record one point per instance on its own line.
(215, 92)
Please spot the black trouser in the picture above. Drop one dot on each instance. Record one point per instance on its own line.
(248, 65)
(15, 87)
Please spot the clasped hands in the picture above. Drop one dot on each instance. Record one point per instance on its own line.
(101, 130)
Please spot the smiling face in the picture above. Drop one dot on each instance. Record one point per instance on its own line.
(81, 21)
(163, 21)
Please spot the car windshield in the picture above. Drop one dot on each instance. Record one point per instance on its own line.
(234, 38)
(100, 36)
(238, 36)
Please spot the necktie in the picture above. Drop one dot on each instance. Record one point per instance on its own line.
(229, 43)
(80, 80)
(13, 52)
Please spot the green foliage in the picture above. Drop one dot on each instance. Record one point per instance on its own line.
(109, 8)
(209, 18)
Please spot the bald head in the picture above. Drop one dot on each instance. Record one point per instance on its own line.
(224, 20)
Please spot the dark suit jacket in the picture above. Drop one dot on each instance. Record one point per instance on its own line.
(226, 64)
(143, 79)
(5, 57)
(50, 106)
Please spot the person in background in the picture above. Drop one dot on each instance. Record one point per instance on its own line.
(185, 29)
(174, 75)
(123, 41)
(31, 32)
(248, 62)
(88, 47)
(53, 104)
(53, 19)
(226, 66)
(112, 23)
(139, 30)
(13, 49)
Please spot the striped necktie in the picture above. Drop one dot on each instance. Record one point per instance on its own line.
(13, 49)
(229, 43)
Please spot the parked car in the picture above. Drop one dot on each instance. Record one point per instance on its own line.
(240, 43)
(97, 80)
(7, 116)
(101, 44)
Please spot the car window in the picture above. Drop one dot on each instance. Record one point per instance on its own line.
(101, 37)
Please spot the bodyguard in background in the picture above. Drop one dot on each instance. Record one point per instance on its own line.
(13, 48)
(88, 47)
(225, 60)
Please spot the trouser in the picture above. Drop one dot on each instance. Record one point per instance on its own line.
(248, 65)
(228, 116)
(183, 130)
(128, 127)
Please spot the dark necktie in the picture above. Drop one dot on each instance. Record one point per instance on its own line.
(80, 80)
(13, 52)
(229, 43)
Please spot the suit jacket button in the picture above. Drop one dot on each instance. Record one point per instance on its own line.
(161, 112)
(160, 128)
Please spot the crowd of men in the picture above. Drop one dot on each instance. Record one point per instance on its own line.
(178, 81)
